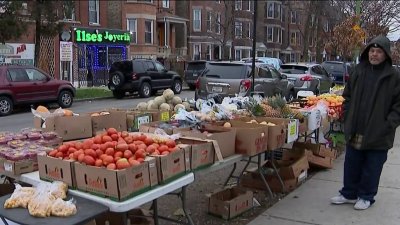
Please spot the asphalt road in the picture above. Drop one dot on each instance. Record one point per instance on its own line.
(23, 117)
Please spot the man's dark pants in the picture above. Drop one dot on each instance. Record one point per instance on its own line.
(362, 171)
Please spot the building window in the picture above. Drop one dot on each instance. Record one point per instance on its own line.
(312, 20)
(68, 10)
(209, 19)
(277, 10)
(197, 20)
(277, 35)
(132, 27)
(293, 17)
(238, 4)
(238, 54)
(293, 38)
(208, 56)
(270, 35)
(93, 12)
(165, 4)
(196, 52)
(238, 29)
(148, 31)
(326, 26)
(270, 10)
(298, 39)
(218, 25)
(251, 5)
(249, 30)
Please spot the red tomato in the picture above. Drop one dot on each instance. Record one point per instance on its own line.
(89, 160)
(133, 162)
(90, 152)
(118, 154)
(108, 159)
(111, 131)
(111, 166)
(140, 153)
(114, 137)
(132, 147)
(128, 154)
(81, 157)
(53, 153)
(122, 164)
(170, 143)
(149, 141)
(98, 163)
(63, 148)
(110, 151)
(99, 153)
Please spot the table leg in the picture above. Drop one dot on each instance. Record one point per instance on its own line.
(183, 199)
(4, 220)
(230, 174)
(155, 211)
(279, 176)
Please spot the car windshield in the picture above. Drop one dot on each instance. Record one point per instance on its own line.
(331, 67)
(294, 69)
(226, 71)
(196, 66)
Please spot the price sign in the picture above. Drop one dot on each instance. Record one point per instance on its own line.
(165, 116)
(142, 120)
(293, 131)
(8, 167)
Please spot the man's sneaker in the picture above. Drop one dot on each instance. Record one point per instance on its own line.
(340, 199)
(362, 204)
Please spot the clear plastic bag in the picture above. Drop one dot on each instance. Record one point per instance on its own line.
(58, 189)
(161, 134)
(63, 208)
(41, 202)
(20, 197)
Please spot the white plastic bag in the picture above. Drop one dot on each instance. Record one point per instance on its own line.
(161, 133)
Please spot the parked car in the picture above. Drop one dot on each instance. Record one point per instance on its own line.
(308, 77)
(144, 76)
(229, 79)
(272, 61)
(340, 71)
(192, 72)
(29, 85)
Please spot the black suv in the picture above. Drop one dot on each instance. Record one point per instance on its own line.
(144, 76)
(193, 71)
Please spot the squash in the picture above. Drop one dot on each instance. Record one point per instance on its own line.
(176, 100)
(68, 112)
(168, 94)
(159, 100)
(42, 109)
(142, 106)
(165, 106)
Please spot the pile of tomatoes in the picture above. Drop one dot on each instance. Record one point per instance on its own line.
(114, 150)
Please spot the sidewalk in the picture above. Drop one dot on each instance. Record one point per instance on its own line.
(309, 204)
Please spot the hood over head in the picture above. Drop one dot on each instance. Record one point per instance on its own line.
(381, 42)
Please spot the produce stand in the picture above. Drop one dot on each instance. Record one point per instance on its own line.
(122, 207)
(86, 210)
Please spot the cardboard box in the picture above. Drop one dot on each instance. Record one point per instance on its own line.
(317, 149)
(67, 127)
(188, 156)
(291, 169)
(201, 151)
(118, 185)
(253, 180)
(225, 138)
(18, 167)
(153, 171)
(171, 166)
(230, 202)
(251, 139)
(135, 119)
(55, 169)
(151, 128)
(319, 161)
(115, 119)
(276, 134)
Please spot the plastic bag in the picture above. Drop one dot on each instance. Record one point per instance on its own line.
(161, 133)
(20, 197)
(41, 202)
(58, 189)
(63, 208)
(45, 115)
(186, 116)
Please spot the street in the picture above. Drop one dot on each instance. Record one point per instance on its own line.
(24, 117)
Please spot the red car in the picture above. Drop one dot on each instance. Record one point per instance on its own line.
(28, 85)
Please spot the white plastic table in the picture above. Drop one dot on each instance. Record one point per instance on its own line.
(151, 195)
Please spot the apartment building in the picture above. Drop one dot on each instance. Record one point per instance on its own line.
(153, 25)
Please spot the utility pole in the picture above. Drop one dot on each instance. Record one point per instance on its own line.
(253, 61)
(358, 11)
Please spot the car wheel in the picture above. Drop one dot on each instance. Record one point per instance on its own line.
(65, 99)
(117, 79)
(177, 86)
(145, 90)
(6, 106)
(192, 87)
(118, 94)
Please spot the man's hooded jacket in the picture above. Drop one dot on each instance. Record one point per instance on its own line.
(380, 111)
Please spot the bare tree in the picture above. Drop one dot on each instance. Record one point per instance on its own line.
(377, 17)
(222, 26)
(396, 53)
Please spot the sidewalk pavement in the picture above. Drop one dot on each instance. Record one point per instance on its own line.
(309, 203)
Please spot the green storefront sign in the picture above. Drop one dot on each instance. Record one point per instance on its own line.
(101, 36)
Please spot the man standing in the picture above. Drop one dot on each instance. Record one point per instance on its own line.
(371, 116)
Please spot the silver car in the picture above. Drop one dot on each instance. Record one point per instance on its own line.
(234, 78)
(308, 77)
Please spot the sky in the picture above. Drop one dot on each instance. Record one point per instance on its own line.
(394, 36)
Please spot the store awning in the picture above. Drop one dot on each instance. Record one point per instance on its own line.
(166, 16)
